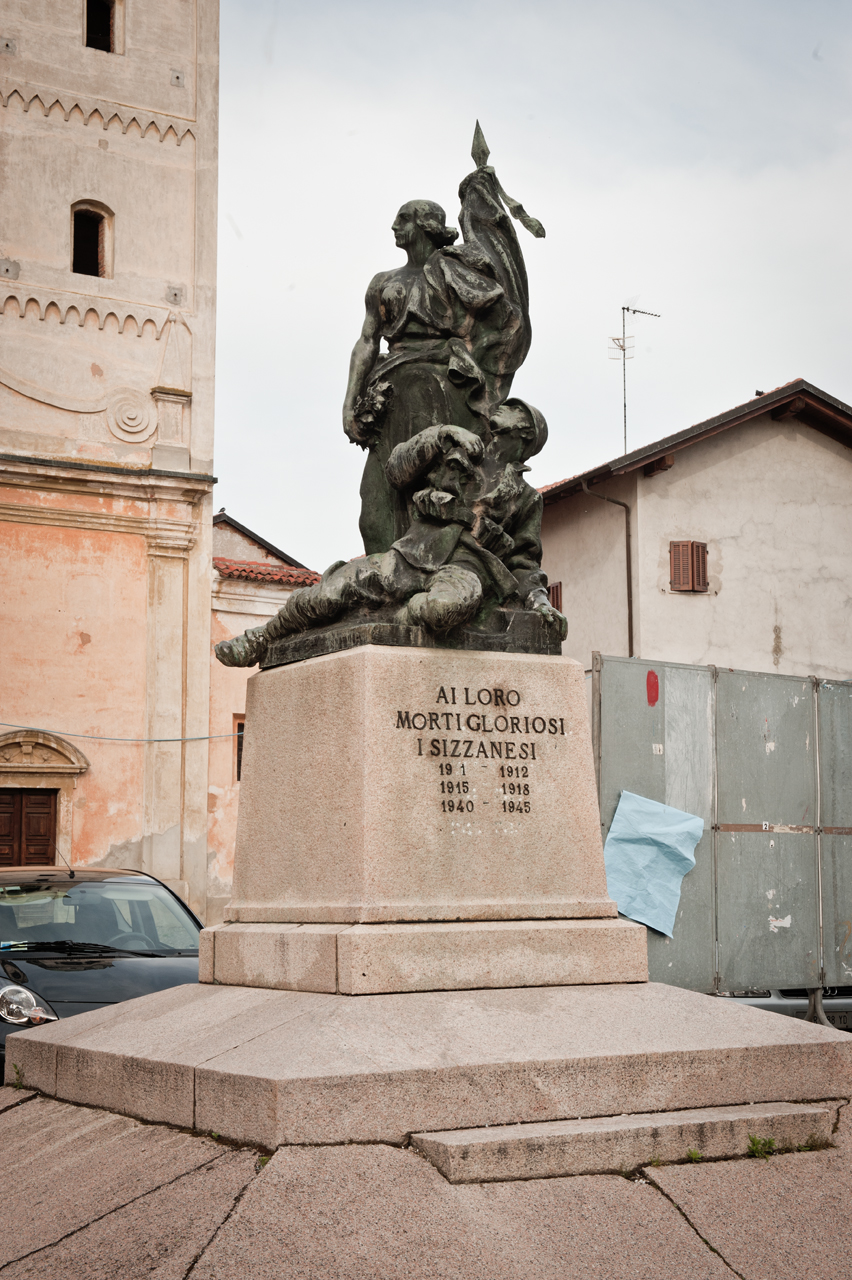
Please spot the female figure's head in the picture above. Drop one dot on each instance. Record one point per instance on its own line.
(420, 228)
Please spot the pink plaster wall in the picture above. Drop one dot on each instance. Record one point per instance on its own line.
(72, 635)
(227, 699)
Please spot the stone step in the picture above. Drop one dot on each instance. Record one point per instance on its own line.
(619, 1144)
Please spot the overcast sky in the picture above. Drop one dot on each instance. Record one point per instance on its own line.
(691, 159)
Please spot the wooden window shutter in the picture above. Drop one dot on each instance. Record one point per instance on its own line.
(699, 566)
(680, 557)
(554, 595)
(688, 566)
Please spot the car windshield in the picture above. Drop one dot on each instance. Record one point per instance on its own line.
(121, 915)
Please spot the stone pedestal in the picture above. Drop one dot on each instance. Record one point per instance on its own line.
(416, 819)
(356, 878)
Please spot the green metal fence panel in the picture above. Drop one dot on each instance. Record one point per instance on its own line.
(834, 704)
(655, 730)
(766, 761)
(767, 900)
(766, 750)
(766, 911)
(837, 910)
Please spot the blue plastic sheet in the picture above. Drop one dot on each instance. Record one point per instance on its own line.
(649, 849)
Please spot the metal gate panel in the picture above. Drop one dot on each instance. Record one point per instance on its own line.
(780, 815)
(630, 728)
(768, 934)
(834, 701)
(767, 900)
(837, 910)
(765, 749)
(688, 745)
(656, 737)
(687, 959)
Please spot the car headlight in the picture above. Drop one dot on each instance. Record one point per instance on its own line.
(22, 1007)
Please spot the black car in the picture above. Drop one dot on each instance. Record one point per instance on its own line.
(71, 941)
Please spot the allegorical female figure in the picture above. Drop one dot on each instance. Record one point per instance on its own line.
(451, 528)
(456, 322)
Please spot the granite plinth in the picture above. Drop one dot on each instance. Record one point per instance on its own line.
(282, 957)
(392, 784)
(375, 958)
(276, 1067)
(506, 631)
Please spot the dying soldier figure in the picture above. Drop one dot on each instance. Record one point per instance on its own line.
(474, 539)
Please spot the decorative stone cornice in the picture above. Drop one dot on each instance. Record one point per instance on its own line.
(171, 537)
(164, 536)
(72, 108)
(172, 394)
(122, 482)
(12, 513)
(74, 307)
(261, 599)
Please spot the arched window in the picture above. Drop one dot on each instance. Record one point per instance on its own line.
(91, 239)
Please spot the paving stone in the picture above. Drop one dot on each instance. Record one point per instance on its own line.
(784, 1218)
(154, 1238)
(65, 1166)
(10, 1097)
(379, 1213)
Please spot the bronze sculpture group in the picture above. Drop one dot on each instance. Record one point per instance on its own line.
(451, 529)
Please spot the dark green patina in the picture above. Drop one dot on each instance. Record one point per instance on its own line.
(451, 528)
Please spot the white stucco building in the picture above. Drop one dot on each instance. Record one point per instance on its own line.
(765, 488)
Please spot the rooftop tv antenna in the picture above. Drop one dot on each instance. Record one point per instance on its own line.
(622, 349)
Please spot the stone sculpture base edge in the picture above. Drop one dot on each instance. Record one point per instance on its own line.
(371, 959)
(275, 1067)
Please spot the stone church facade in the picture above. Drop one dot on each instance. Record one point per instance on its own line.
(108, 130)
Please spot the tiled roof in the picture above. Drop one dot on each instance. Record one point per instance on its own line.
(262, 571)
(557, 484)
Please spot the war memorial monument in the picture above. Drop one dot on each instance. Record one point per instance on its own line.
(420, 946)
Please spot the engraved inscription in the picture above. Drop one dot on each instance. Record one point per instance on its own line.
(458, 787)
(468, 742)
